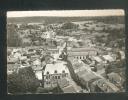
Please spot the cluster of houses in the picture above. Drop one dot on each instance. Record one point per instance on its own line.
(49, 67)
(93, 81)
(87, 72)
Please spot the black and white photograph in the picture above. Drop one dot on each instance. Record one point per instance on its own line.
(66, 51)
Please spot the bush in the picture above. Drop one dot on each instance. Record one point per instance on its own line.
(49, 89)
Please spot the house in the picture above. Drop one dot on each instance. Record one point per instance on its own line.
(54, 73)
(23, 58)
(37, 62)
(87, 78)
(53, 50)
(12, 60)
(38, 72)
(31, 51)
(81, 53)
(17, 54)
(97, 59)
(79, 65)
(122, 53)
(67, 85)
(48, 35)
(15, 50)
(108, 58)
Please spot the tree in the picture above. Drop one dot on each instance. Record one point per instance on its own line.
(9, 52)
(22, 82)
(69, 25)
(59, 32)
(54, 42)
(56, 89)
(14, 83)
(13, 38)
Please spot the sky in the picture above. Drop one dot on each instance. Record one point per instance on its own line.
(66, 13)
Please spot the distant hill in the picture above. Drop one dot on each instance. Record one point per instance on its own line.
(48, 20)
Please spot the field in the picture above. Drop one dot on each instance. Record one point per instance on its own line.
(49, 20)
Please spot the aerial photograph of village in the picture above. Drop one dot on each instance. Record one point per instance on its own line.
(72, 51)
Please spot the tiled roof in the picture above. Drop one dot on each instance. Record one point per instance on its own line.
(88, 76)
(83, 49)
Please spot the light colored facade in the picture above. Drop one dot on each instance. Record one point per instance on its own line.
(81, 53)
(78, 53)
(54, 73)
